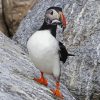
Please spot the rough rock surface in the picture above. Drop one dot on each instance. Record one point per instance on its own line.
(82, 37)
(16, 73)
(2, 23)
(14, 11)
(81, 73)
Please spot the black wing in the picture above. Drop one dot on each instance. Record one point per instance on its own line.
(63, 52)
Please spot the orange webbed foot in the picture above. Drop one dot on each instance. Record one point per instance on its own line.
(57, 91)
(41, 80)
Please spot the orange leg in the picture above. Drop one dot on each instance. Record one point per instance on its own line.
(41, 80)
(57, 91)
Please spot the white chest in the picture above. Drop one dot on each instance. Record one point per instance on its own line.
(43, 49)
(42, 42)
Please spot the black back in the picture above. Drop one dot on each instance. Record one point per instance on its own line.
(63, 53)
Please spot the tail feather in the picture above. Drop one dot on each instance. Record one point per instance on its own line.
(70, 54)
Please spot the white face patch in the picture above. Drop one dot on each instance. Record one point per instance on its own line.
(51, 15)
(55, 14)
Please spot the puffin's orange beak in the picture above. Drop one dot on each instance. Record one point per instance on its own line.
(63, 20)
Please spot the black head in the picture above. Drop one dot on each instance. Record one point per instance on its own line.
(55, 8)
(55, 16)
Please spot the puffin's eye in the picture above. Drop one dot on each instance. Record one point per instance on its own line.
(51, 12)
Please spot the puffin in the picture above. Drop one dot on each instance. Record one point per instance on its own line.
(45, 51)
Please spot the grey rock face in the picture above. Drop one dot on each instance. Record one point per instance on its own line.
(83, 39)
(81, 74)
(16, 73)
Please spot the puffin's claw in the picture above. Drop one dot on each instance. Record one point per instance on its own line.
(57, 93)
(41, 80)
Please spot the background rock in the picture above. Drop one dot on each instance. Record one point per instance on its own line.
(81, 74)
(2, 23)
(16, 73)
(83, 38)
(14, 11)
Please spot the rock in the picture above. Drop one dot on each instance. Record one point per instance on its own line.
(16, 73)
(14, 11)
(2, 23)
(81, 74)
(83, 39)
